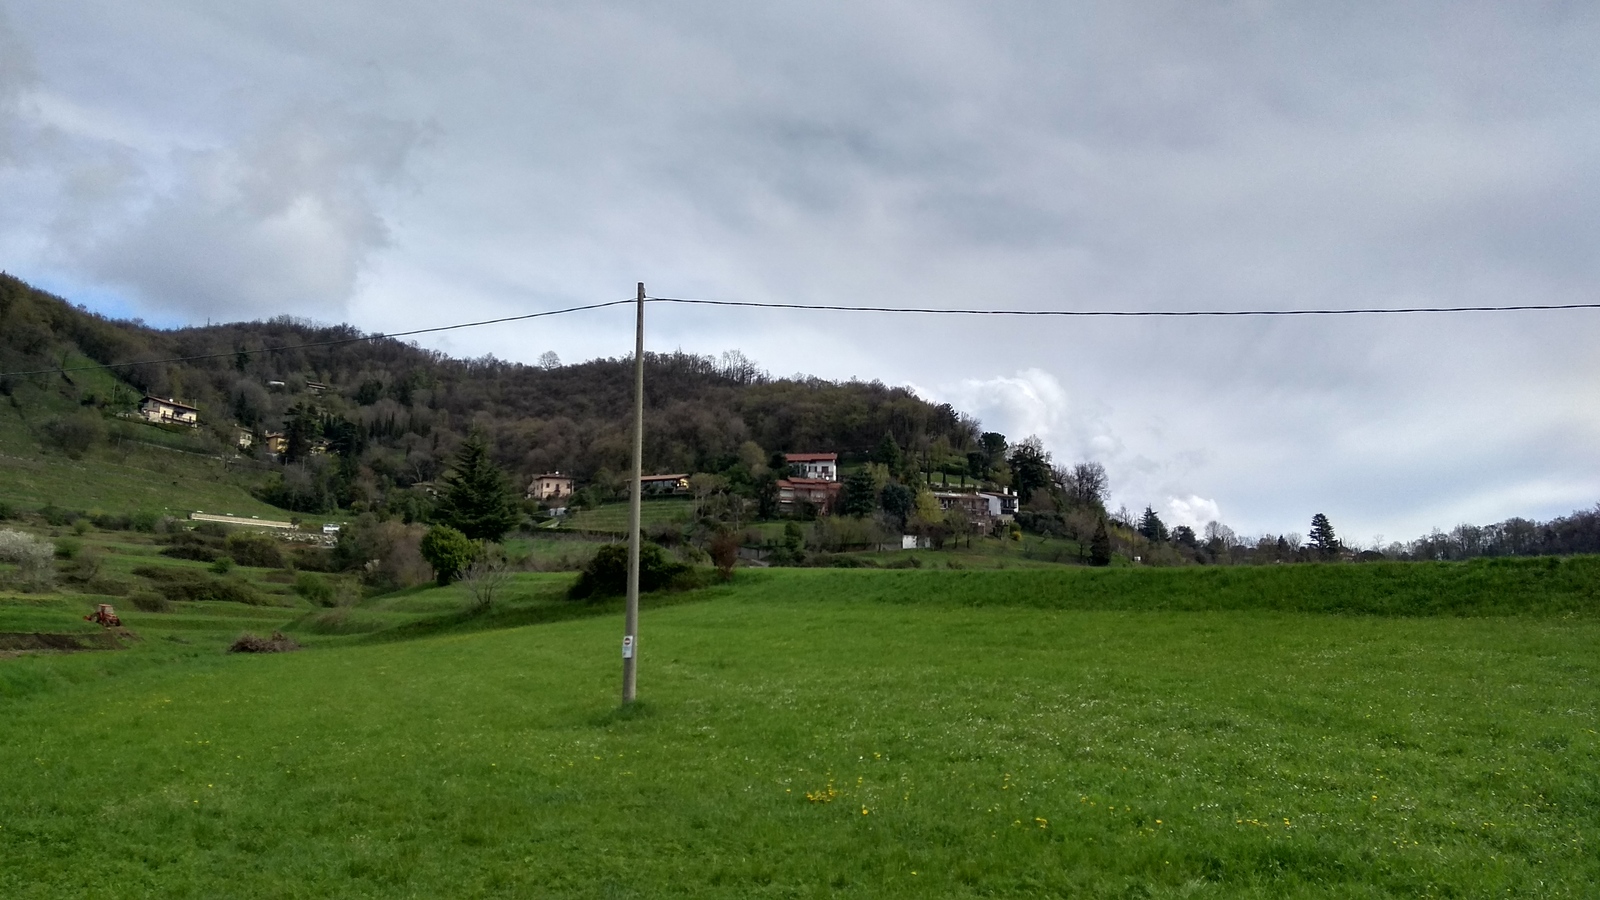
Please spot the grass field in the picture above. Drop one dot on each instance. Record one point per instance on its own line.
(138, 476)
(613, 517)
(842, 733)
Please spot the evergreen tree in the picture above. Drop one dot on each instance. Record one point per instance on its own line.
(1322, 537)
(1100, 546)
(477, 502)
(1151, 526)
(860, 494)
(888, 453)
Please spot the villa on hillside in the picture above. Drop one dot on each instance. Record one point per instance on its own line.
(794, 494)
(814, 466)
(167, 411)
(550, 486)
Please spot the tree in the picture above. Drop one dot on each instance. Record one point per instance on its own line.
(1184, 536)
(448, 551)
(860, 494)
(485, 577)
(1087, 485)
(1151, 526)
(888, 453)
(897, 500)
(477, 502)
(994, 449)
(725, 551)
(1100, 545)
(1030, 468)
(1323, 540)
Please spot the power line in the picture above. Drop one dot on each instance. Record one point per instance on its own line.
(330, 343)
(829, 307)
(1128, 313)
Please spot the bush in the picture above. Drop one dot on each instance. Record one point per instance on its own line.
(188, 584)
(74, 434)
(252, 548)
(33, 557)
(56, 517)
(314, 588)
(146, 521)
(449, 552)
(111, 522)
(6, 512)
(149, 601)
(606, 575)
(67, 548)
(222, 566)
(249, 643)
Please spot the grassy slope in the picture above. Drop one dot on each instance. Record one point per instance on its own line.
(950, 750)
(139, 477)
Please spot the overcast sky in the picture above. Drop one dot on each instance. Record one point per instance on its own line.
(406, 164)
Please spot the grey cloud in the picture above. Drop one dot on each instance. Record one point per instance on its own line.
(1093, 155)
(285, 220)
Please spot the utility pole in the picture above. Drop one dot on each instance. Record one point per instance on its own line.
(630, 621)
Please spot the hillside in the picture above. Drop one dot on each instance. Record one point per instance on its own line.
(393, 413)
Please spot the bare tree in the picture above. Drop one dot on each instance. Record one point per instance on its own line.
(485, 578)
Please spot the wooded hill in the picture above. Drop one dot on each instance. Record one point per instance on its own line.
(392, 414)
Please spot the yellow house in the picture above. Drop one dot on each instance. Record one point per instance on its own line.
(550, 486)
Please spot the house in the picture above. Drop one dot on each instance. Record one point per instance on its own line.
(276, 442)
(316, 387)
(550, 486)
(243, 437)
(815, 466)
(795, 494)
(665, 484)
(982, 509)
(1002, 506)
(168, 412)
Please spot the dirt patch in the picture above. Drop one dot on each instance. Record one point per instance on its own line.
(13, 641)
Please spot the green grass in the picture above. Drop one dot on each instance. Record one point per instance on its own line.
(613, 517)
(952, 743)
(136, 477)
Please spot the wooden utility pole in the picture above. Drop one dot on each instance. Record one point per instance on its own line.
(630, 622)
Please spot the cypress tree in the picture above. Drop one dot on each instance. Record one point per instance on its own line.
(1100, 546)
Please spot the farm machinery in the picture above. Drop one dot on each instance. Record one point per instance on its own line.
(104, 616)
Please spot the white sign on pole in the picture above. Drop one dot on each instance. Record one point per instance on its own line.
(627, 646)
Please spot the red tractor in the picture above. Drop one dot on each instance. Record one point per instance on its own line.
(105, 616)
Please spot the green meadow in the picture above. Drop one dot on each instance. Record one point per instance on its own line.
(1306, 731)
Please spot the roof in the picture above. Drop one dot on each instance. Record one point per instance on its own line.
(678, 477)
(809, 482)
(170, 402)
(554, 475)
(811, 457)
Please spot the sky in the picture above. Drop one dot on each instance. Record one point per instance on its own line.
(401, 165)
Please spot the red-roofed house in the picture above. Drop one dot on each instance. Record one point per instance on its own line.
(814, 466)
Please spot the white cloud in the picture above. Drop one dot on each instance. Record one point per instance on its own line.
(1031, 402)
(1194, 511)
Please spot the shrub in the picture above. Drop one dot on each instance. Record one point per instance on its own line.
(6, 512)
(252, 548)
(33, 557)
(149, 601)
(189, 584)
(67, 548)
(314, 588)
(222, 566)
(194, 545)
(606, 575)
(249, 643)
(144, 520)
(387, 554)
(56, 517)
(449, 552)
(74, 434)
(725, 552)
